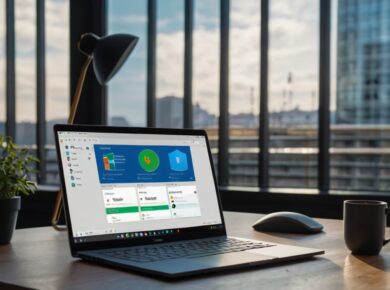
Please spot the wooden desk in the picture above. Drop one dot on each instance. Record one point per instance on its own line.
(40, 258)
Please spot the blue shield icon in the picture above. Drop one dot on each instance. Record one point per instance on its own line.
(178, 161)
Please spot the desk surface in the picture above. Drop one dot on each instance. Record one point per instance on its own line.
(40, 258)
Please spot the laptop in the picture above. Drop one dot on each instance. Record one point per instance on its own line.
(147, 200)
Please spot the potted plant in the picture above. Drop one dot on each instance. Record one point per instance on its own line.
(15, 165)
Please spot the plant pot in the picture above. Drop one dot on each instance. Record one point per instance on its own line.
(9, 209)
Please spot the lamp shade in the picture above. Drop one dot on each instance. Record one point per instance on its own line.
(108, 53)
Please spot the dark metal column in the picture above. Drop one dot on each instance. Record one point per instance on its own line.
(41, 91)
(223, 143)
(10, 70)
(87, 16)
(151, 65)
(188, 33)
(263, 118)
(324, 97)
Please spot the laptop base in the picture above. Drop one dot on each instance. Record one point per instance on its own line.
(191, 266)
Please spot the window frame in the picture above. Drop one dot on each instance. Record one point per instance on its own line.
(91, 16)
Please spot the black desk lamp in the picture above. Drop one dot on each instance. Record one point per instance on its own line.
(107, 55)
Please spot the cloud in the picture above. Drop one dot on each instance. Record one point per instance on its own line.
(244, 57)
(25, 89)
(25, 43)
(170, 70)
(204, 22)
(57, 60)
(293, 49)
(245, 14)
(128, 19)
(206, 69)
(25, 18)
(206, 14)
(57, 26)
(57, 85)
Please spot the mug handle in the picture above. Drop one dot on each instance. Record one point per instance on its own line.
(387, 211)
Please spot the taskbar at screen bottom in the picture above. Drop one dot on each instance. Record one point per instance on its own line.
(138, 235)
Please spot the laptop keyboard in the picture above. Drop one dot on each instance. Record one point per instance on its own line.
(196, 248)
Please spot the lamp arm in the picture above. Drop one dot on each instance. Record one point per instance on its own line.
(79, 88)
(75, 103)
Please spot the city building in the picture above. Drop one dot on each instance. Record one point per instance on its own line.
(363, 58)
(169, 112)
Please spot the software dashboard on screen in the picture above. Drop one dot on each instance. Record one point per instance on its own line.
(119, 183)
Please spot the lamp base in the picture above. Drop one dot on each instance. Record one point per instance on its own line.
(57, 213)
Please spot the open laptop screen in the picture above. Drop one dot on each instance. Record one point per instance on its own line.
(129, 186)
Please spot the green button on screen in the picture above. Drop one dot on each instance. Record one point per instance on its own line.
(148, 160)
(117, 210)
(154, 207)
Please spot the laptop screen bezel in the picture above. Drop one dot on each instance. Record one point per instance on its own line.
(187, 234)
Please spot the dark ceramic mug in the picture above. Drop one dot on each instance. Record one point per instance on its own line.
(364, 226)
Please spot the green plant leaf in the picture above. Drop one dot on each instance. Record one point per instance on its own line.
(16, 164)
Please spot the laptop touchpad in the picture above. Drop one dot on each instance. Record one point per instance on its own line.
(231, 259)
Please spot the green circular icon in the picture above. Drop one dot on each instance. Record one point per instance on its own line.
(148, 160)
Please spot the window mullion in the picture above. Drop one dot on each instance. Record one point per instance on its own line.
(324, 98)
(10, 69)
(188, 45)
(263, 174)
(41, 90)
(151, 63)
(223, 142)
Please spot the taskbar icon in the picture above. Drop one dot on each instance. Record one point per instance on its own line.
(146, 234)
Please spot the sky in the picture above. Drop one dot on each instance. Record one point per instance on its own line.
(293, 51)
